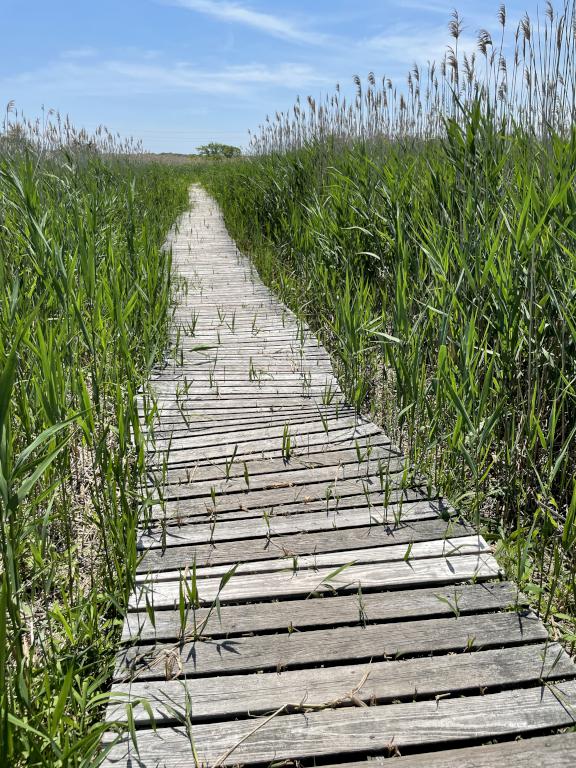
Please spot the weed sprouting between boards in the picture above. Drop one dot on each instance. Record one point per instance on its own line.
(435, 256)
(85, 296)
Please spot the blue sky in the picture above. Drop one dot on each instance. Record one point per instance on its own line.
(179, 73)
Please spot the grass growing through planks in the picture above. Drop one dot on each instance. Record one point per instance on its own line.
(430, 238)
(84, 301)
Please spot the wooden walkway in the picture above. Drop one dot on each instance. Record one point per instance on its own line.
(364, 618)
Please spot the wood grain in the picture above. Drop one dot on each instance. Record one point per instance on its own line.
(354, 730)
(349, 644)
(325, 611)
(556, 751)
(242, 695)
(245, 550)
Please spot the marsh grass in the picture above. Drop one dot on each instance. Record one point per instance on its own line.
(84, 302)
(429, 238)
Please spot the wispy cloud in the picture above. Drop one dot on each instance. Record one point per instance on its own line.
(427, 7)
(140, 76)
(235, 13)
(401, 46)
(79, 53)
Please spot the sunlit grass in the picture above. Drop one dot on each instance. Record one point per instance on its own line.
(84, 303)
(431, 242)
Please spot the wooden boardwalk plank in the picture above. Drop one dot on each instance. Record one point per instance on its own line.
(327, 611)
(448, 547)
(330, 457)
(229, 445)
(246, 550)
(279, 494)
(555, 751)
(368, 476)
(353, 512)
(348, 644)
(300, 583)
(376, 682)
(354, 730)
(249, 434)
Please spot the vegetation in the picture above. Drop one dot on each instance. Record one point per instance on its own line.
(222, 151)
(430, 239)
(84, 302)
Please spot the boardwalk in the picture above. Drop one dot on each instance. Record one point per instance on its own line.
(363, 618)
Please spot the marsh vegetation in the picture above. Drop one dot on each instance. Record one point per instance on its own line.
(84, 302)
(428, 235)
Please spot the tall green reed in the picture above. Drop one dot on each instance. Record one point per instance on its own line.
(85, 298)
(439, 267)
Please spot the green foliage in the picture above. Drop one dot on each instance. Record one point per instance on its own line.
(85, 295)
(442, 275)
(216, 150)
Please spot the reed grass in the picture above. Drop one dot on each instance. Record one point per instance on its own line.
(85, 296)
(429, 237)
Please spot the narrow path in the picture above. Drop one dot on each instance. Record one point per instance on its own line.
(363, 617)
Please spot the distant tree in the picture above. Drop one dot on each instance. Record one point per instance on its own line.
(214, 149)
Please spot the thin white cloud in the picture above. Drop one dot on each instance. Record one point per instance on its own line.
(235, 13)
(405, 47)
(227, 80)
(79, 53)
(427, 7)
(140, 76)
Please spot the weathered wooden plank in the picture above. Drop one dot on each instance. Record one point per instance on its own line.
(271, 389)
(202, 370)
(218, 339)
(265, 364)
(262, 474)
(365, 475)
(348, 513)
(325, 611)
(213, 409)
(215, 436)
(330, 457)
(239, 330)
(266, 448)
(377, 682)
(196, 422)
(284, 383)
(279, 494)
(246, 445)
(212, 402)
(291, 354)
(450, 547)
(395, 575)
(239, 326)
(354, 730)
(190, 354)
(210, 399)
(556, 751)
(199, 425)
(271, 437)
(299, 544)
(344, 645)
(399, 504)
